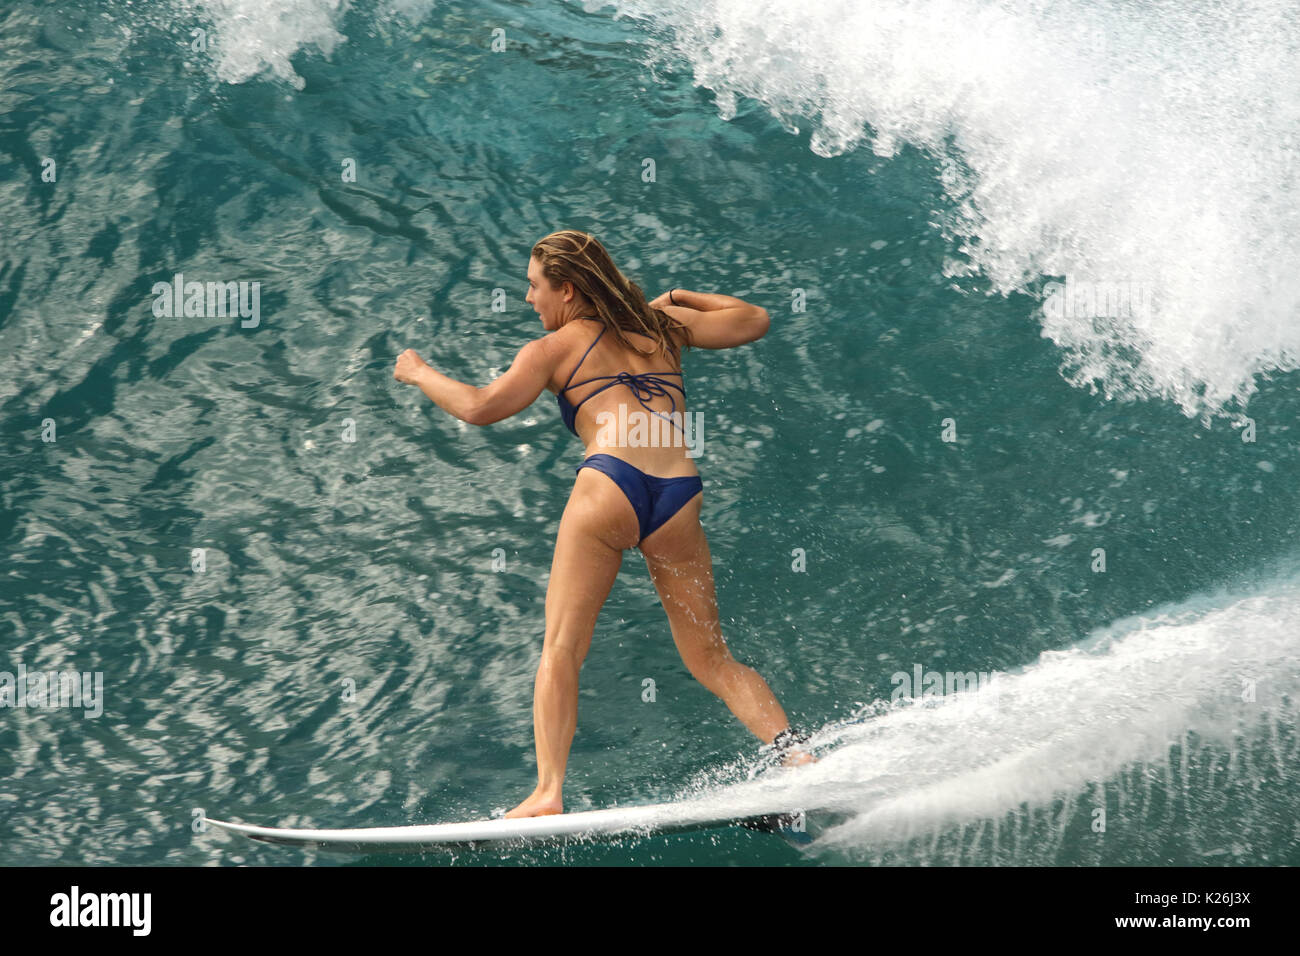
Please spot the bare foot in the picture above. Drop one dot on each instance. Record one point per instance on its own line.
(537, 805)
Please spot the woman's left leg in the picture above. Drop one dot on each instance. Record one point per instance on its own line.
(598, 524)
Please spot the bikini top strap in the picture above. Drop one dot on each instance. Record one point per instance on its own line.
(644, 386)
(633, 381)
(584, 357)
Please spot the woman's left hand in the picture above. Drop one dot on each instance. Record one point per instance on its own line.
(409, 366)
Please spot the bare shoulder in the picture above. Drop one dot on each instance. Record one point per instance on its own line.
(562, 341)
(559, 350)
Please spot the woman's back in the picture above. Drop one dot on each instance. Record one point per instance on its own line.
(624, 403)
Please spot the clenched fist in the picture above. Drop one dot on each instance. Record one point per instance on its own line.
(409, 365)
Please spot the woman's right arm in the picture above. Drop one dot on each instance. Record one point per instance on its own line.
(715, 321)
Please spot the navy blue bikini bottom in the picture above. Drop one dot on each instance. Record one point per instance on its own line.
(654, 499)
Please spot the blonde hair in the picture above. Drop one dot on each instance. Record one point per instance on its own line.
(577, 257)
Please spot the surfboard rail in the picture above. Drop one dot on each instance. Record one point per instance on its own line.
(584, 826)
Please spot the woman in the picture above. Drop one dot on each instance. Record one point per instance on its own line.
(644, 495)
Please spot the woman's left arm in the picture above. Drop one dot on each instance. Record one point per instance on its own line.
(507, 395)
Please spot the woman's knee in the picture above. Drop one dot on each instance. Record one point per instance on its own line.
(561, 655)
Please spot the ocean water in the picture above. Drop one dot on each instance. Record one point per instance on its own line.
(1028, 409)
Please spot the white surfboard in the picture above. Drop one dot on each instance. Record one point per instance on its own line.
(585, 826)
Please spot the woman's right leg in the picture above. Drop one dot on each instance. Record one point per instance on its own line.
(597, 526)
(677, 555)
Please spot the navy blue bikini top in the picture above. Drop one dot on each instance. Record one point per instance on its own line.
(644, 385)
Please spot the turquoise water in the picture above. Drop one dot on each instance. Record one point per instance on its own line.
(943, 437)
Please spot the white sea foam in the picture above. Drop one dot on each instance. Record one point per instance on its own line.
(252, 38)
(1220, 666)
(1108, 141)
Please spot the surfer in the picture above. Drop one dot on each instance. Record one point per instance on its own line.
(645, 495)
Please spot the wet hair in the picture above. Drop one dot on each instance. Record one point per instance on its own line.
(577, 257)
